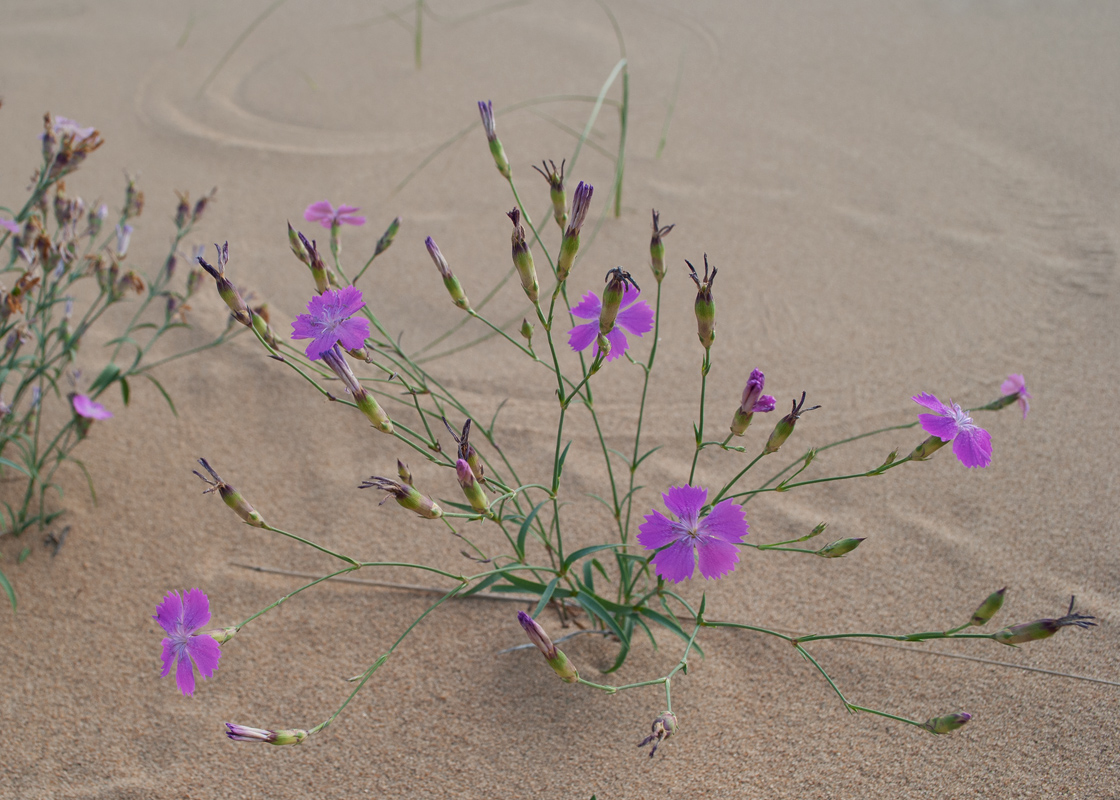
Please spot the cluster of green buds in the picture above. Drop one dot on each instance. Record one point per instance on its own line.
(230, 496)
(226, 290)
(786, 424)
(552, 654)
(663, 727)
(705, 305)
(454, 288)
(405, 495)
(569, 245)
(946, 724)
(1043, 628)
(555, 178)
(243, 733)
(523, 258)
(657, 247)
(365, 401)
(486, 111)
(466, 450)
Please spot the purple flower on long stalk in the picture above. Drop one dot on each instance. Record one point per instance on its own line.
(328, 216)
(634, 315)
(90, 409)
(682, 542)
(950, 423)
(328, 321)
(1017, 384)
(182, 616)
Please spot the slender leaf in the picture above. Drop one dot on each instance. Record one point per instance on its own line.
(593, 607)
(524, 529)
(624, 650)
(671, 624)
(560, 463)
(7, 587)
(484, 584)
(162, 391)
(649, 633)
(546, 596)
(647, 455)
(6, 463)
(584, 551)
(588, 575)
(126, 392)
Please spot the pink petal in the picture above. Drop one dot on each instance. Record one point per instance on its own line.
(304, 327)
(717, 557)
(345, 209)
(168, 656)
(11, 226)
(352, 219)
(685, 502)
(637, 319)
(657, 531)
(581, 336)
(932, 403)
(589, 307)
(727, 521)
(618, 344)
(318, 211)
(184, 674)
(196, 610)
(348, 300)
(205, 652)
(169, 613)
(1024, 404)
(764, 404)
(944, 428)
(1013, 384)
(676, 562)
(352, 333)
(90, 409)
(973, 446)
(321, 344)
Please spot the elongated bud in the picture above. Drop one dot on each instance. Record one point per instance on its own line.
(663, 727)
(840, 547)
(555, 178)
(183, 212)
(927, 448)
(753, 401)
(1043, 628)
(295, 241)
(315, 262)
(527, 331)
(817, 531)
(472, 489)
(365, 401)
(403, 472)
(230, 496)
(466, 451)
(405, 495)
(387, 237)
(988, 609)
(486, 111)
(786, 424)
(705, 306)
(226, 290)
(552, 654)
(243, 733)
(261, 326)
(523, 258)
(948, 723)
(657, 248)
(569, 246)
(617, 280)
(222, 635)
(200, 206)
(454, 288)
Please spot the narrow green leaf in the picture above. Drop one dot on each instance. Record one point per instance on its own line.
(162, 391)
(647, 455)
(560, 464)
(584, 551)
(105, 377)
(649, 633)
(548, 590)
(6, 463)
(624, 650)
(125, 390)
(588, 575)
(23, 554)
(669, 623)
(484, 584)
(523, 531)
(534, 587)
(592, 606)
(7, 587)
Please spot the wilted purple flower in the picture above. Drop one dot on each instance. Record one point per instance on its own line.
(971, 443)
(90, 409)
(1016, 384)
(486, 111)
(328, 216)
(679, 543)
(64, 126)
(124, 236)
(11, 226)
(753, 398)
(328, 321)
(243, 733)
(635, 316)
(182, 616)
(581, 202)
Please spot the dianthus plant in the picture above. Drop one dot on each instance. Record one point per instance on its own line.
(625, 588)
(64, 263)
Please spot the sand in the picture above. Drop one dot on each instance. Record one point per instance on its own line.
(899, 198)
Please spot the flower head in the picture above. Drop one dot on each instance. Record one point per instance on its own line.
(1016, 384)
(486, 111)
(949, 423)
(680, 542)
(753, 398)
(328, 216)
(635, 316)
(328, 321)
(243, 733)
(11, 226)
(90, 409)
(663, 727)
(182, 616)
(67, 127)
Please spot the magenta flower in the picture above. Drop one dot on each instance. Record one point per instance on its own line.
(681, 542)
(950, 423)
(11, 226)
(181, 617)
(635, 316)
(328, 216)
(90, 409)
(1016, 384)
(328, 322)
(753, 398)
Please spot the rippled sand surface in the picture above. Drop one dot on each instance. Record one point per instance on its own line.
(899, 198)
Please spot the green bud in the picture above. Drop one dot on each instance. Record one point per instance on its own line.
(527, 330)
(454, 288)
(657, 248)
(230, 496)
(296, 243)
(988, 609)
(222, 635)
(523, 258)
(617, 280)
(705, 306)
(568, 249)
(387, 237)
(1043, 628)
(555, 178)
(472, 489)
(948, 723)
(405, 495)
(500, 159)
(785, 426)
(927, 448)
(369, 406)
(403, 472)
(315, 263)
(840, 547)
(552, 654)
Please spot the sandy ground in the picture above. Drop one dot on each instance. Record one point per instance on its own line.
(899, 198)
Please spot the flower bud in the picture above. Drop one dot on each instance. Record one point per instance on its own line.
(555, 180)
(523, 258)
(387, 237)
(222, 635)
(527, 330)
(295, 241)
(988, 609)
(183, 212)
(927, 448)
(786, 424)
(569, 246)
(753, 400)
(1043, 628)
(403, 472)
(454, 288)
(263, 329)
(663, 727)
(226, 290)
(486, 111)
(841, 547)
(472, 489)
(657, 248)
(230, 496)
(200, 206)
(365, 401)
(552, 654)
(705, 305)
(948, 723)
(315, 263)
(242, 733)
(617, 280)
(405, 495)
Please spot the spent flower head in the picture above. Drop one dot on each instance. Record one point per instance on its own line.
(950, 423)
(328, 216)
(680, 543)
(663, 727)
(329, 320)
(1017, 385)
(182, 616)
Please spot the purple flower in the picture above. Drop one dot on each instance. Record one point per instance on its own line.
(1016, 384)
(713, 538)
(181, 617)
(328, 216)
(635, 316)
(90, 409)
(11, 226)
(328, 322)
(753, 398)
(124, 236)
(486, 111)
(971, 443)
(64, 126)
